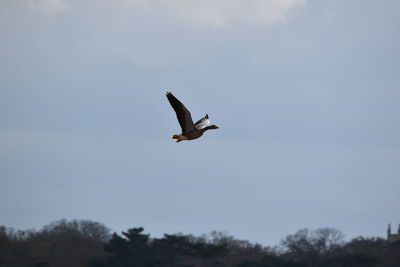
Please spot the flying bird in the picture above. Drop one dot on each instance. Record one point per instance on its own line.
(190, 130)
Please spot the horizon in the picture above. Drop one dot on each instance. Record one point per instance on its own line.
(225, 233)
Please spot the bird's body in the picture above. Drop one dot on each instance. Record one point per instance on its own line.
(190, 130)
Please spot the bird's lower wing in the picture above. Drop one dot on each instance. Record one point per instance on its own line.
(203, 122)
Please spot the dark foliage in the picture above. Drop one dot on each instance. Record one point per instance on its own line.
(62, 244)
(90, 244)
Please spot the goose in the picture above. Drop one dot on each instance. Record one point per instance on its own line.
(190, 130)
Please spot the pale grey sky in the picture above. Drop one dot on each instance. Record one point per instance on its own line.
(306, 93)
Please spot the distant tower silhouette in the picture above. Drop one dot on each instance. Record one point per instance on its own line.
(393, 237)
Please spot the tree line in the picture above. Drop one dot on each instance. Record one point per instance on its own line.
(84, 243)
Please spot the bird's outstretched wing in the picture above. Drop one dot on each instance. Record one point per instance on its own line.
(182, 113)
(203, 122)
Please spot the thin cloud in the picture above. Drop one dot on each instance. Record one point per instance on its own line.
(203, 13)
(49, 6)
(219, 13)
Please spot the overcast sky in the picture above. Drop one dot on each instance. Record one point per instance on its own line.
(306, 94)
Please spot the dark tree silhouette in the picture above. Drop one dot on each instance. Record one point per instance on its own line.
(82, 243)
(62, 243)
(311, 248)
(133, 249)
(137, 249)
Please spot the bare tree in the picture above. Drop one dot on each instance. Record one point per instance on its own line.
(309, 247)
